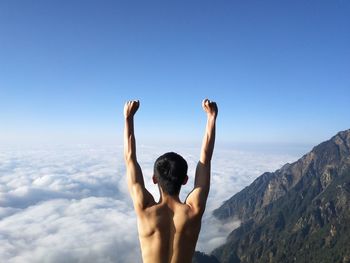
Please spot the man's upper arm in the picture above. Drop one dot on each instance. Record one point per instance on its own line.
(140, 196)
(197, 199)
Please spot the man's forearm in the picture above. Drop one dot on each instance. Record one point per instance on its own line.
(208, 141)
(129, 140)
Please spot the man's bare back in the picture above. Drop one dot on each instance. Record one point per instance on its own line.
(168, 229)
(168, 232)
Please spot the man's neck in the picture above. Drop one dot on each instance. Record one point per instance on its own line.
(166, 198)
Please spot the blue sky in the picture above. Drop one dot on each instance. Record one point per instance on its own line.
(279, 70)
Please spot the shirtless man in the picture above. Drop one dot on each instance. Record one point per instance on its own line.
(169, 229)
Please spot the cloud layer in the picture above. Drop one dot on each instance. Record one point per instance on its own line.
(70, 204)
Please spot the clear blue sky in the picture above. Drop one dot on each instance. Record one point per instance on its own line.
(279, 70)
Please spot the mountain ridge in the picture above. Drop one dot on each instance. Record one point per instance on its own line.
(271, 186)
(299, 213)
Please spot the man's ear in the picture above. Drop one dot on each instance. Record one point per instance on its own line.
(185, 180)
(154, 179)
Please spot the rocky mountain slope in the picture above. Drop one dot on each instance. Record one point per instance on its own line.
(324, 161)
(300, 213)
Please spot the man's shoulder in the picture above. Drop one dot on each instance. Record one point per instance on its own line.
(160, 209)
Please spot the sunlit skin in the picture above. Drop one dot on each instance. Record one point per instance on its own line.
(168, 229)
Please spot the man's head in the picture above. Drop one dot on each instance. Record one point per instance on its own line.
(170, 172)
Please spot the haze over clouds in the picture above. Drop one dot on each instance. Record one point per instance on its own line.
(70, 204)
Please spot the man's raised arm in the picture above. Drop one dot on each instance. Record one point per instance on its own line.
(140, 196)
(198, 197)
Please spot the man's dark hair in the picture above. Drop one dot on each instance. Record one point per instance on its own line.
(170, 169)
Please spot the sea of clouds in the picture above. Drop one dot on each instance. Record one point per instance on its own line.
(70, 203)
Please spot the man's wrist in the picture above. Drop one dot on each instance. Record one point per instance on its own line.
(211, 117)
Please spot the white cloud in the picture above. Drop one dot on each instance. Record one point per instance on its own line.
(70, 204)
(87, 230)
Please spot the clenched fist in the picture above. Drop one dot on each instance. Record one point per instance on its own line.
(130, 108)
(210, 108)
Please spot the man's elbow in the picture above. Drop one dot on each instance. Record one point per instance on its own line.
(129, 157)
(205, 163)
